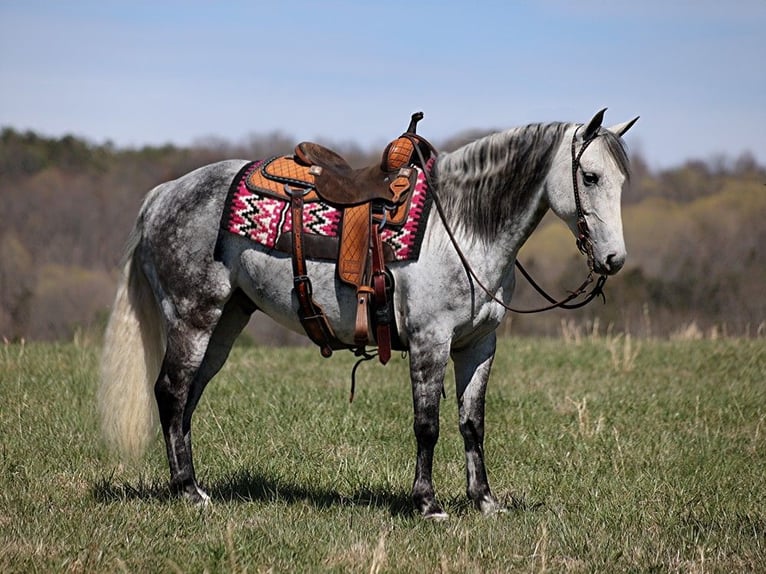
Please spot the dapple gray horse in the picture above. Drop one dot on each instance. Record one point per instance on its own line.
(186, 295)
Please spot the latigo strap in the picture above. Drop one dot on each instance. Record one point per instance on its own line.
(382, 309)
(310, 314)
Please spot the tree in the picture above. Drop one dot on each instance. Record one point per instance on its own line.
(17, 283)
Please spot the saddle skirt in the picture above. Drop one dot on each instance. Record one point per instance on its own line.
(258, 207)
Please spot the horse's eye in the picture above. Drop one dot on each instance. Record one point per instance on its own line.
(589, 178)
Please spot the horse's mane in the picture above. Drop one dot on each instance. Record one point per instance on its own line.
(485, 182)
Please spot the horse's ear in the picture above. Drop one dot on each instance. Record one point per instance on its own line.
(594, 125)
(620, 129)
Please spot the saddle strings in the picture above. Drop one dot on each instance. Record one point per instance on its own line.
(583, 244)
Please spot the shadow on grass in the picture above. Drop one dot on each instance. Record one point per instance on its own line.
(246, 485)
(249, 486)
(106, 490)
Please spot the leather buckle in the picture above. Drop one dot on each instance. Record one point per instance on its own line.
(299, 280)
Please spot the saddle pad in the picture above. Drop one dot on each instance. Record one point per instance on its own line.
(264, 219)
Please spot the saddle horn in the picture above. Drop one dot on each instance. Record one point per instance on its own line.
(414, 119)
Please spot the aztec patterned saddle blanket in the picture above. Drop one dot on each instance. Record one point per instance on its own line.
(259, 208)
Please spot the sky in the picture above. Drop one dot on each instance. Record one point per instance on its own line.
(138, 72)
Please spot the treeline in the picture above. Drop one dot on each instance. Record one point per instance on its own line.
(695, 236)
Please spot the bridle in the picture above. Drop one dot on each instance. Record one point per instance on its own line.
(584, 243)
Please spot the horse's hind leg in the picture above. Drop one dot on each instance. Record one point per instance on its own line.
(236, 314)
(472, 367)
(192, 358)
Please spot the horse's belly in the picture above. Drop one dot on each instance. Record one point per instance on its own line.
(267, 278)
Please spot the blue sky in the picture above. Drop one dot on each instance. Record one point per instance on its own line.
(154, 72)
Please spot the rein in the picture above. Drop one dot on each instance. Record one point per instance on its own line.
(584, 245)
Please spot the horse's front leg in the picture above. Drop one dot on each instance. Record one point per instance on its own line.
(428, 365)
(472, 367)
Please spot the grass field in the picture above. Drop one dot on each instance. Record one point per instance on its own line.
(648, 457)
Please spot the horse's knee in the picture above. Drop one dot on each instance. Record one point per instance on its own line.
(426, 433)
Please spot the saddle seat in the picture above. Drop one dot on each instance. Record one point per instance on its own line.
(340, 184)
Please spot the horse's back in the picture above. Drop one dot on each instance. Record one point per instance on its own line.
(198, 194)
(187, 210)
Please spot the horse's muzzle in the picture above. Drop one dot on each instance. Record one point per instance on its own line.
(610, 265)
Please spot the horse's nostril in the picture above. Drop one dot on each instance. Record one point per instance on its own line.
(614, 262)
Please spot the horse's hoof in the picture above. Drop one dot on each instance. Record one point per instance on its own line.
(433, 511)
(436, 516)
(202, 498)
(491, 507)
(199, 497)
(194, 494)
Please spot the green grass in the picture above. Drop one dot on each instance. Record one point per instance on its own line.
(608, 461)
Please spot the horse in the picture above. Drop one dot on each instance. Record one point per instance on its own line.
(187, 290)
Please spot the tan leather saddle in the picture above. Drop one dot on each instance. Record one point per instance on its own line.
(323, 175)
(368, 198)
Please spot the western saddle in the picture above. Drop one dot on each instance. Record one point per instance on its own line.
(369, 199)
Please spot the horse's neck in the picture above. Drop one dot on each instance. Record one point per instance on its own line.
(493, 191)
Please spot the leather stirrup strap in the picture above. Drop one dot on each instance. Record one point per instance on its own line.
(382, 310)
(311, 315)
(361, 327)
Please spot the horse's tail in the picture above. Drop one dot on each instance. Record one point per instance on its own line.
(134, 347)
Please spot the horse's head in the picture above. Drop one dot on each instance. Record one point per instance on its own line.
(585, 186)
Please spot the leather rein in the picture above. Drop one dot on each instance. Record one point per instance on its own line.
(584, 245)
